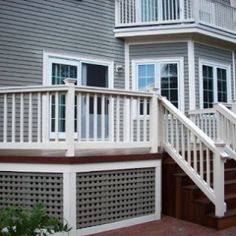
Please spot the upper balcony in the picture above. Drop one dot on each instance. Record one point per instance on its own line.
(163, 17)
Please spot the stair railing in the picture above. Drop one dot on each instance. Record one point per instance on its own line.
(197, 154)
(226, 128)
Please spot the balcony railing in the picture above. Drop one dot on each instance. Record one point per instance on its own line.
(159, 12)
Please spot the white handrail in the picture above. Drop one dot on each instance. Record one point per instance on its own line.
(226, 128)
(190, 125)
(194, 152)
(62, 87)
(222, 109)
(201, 111)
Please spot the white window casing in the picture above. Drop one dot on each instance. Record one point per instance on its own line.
(158, 62)
(215, 66)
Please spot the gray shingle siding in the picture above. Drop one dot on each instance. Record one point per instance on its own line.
(214, 54)
(29, 27)
(164, 50)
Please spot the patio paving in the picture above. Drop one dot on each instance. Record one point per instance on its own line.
(168, 226)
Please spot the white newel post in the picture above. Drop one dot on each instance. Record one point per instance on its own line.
(154, 122)
(70, 116)
(219, 180)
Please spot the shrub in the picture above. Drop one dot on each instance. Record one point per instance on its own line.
(16, 221)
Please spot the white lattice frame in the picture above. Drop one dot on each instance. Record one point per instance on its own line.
(69, 188)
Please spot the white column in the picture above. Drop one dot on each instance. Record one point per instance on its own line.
(70, 116)
(234, 76)
(191, 68)
(69, 200)
(154, 123)
(127, 67)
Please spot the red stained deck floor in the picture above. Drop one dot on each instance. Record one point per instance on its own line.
(168, 226)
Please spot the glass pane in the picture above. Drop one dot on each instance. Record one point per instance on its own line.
(208, 91)
(94, 75)
(222, 85)
(169, 82)
(146, 77)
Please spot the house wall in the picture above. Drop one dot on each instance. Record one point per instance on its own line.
(214, 54)
(227, 2)
(79, 28)
(162, 50)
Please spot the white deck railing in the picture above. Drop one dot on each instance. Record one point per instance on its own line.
(67, 117)
(154, 12)
(205, 119)
(219, 123)
(197, 154)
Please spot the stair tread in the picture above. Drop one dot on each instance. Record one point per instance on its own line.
(229, 213)
(228, 196)
(183, 174)
(193, 186)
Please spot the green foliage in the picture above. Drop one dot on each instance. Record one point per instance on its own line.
(16, 221)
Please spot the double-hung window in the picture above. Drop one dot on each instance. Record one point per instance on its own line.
(214, 84)
(164, 75)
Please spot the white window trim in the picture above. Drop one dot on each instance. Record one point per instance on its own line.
(215, 65)
(178, 60)
(49, 58)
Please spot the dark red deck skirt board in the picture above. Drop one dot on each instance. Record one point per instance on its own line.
(79, 160)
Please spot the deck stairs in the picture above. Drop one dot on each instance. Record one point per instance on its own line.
(189, 202)
(199, 174)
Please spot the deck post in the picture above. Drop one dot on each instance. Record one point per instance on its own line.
(70, 116)
(154, 121)
(220, 206)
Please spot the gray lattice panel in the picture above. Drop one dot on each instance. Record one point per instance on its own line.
(26, 189)
(109, 196)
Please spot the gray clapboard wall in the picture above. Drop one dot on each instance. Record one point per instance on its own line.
(29, 27)
(227, 2)
(159, 51)
(213, 54)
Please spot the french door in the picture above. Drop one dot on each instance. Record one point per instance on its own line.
(91, 112)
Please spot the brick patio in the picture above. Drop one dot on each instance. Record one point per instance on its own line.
(168, 226)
